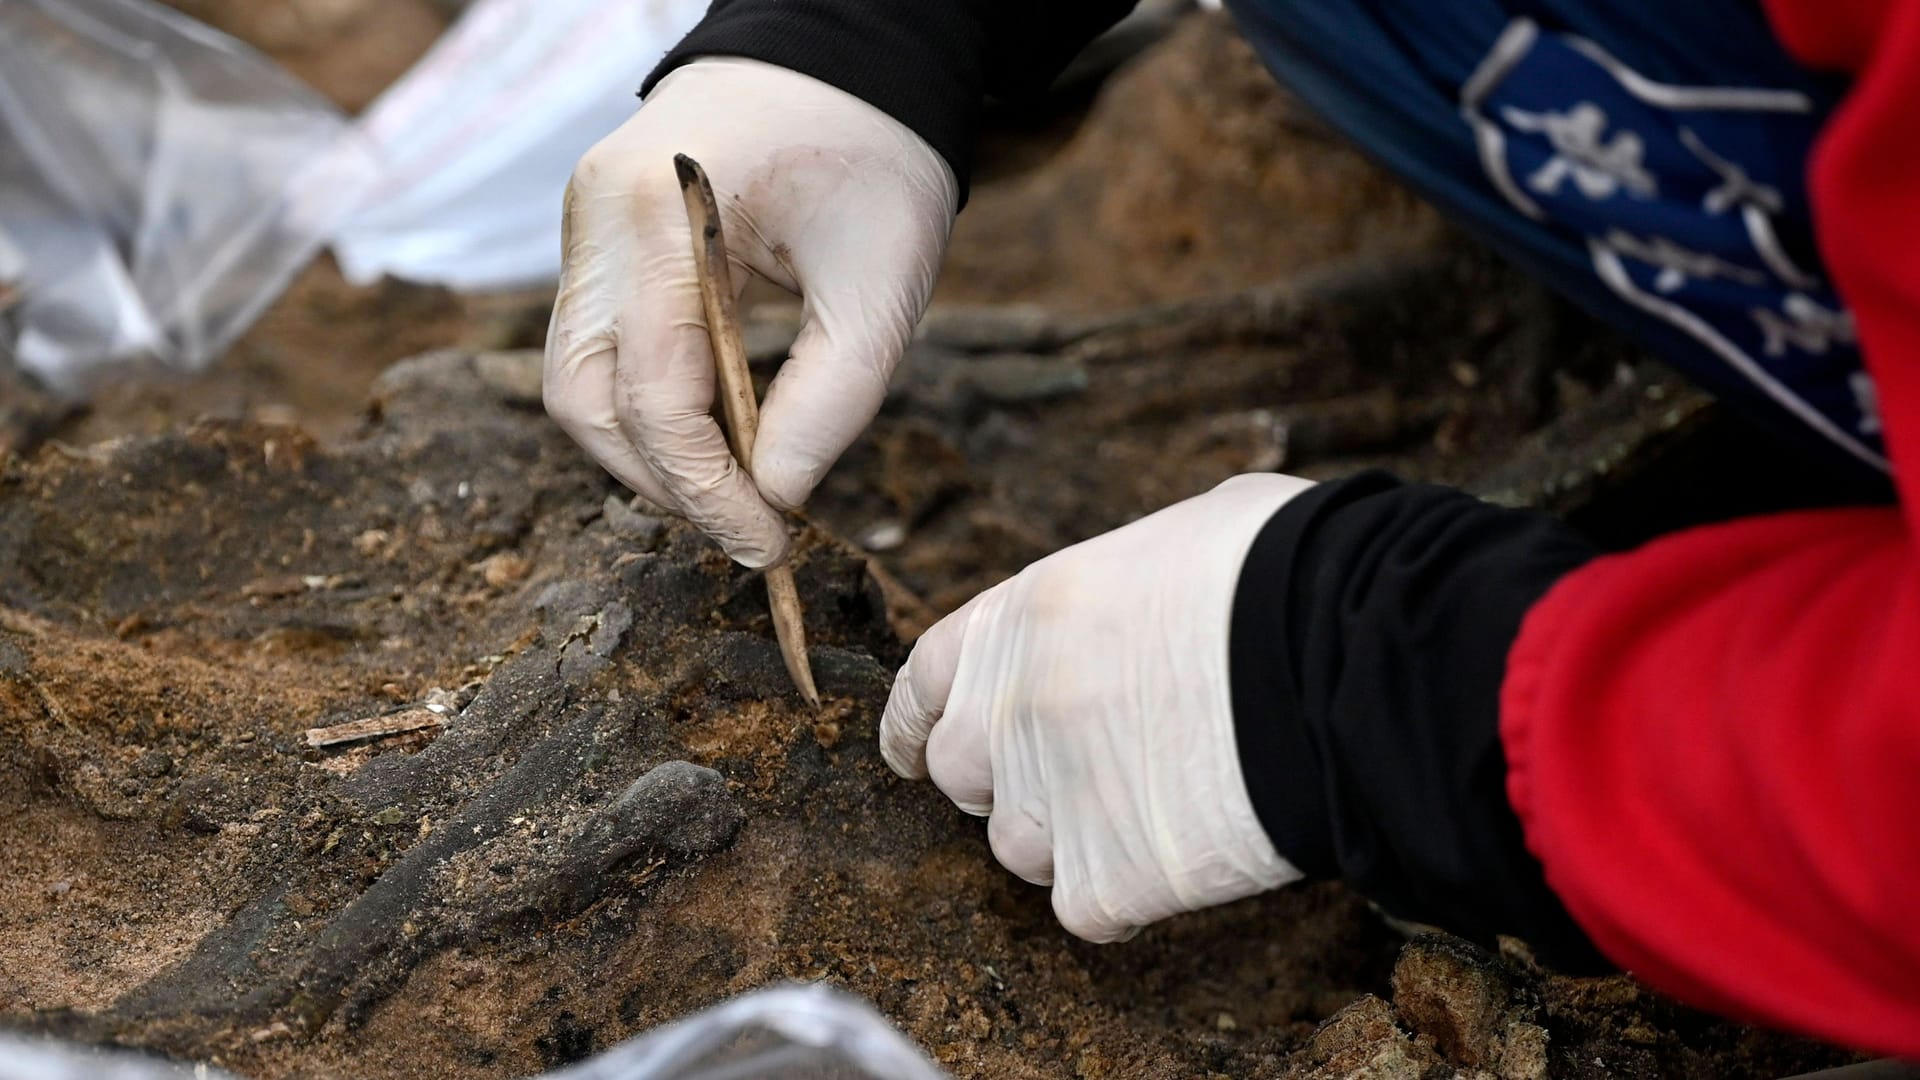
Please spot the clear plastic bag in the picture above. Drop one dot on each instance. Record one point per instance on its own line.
(478, 138)
(783, 1033)
(24, 1058)
(808, 1032)
(161, 182)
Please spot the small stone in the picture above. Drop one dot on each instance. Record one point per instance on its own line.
(590, 644)
(1457, 994)
(504, 568)
(927, 1004)
(372, 542)
(299, 904)
(451, 702)
(882, 536)
(1013, 379)
(276, 415)
(276, 1030)
(153, 764)
(197, 805)
(391, 815)
(1226, 1022)
(59, 889)
(993, 329)
(1523, 1052)
(1639, 1032)
(514, 376)
(275, 588)
(683, 807)
(630, 524)
(1363, 1042)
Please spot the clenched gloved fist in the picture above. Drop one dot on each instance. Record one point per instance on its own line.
(1085, 707)
(819, 192)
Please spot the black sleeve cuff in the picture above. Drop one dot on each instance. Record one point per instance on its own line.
(1368, 642)
(926, 63)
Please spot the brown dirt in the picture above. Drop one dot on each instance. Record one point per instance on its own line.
(1193, 173)
(310, 358)
(348, 50)
(179, 872)
(182, 874)
(178, 610)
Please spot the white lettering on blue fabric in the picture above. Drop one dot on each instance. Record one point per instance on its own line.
(1677, 264)
(1805, 324)
(1691, 204)
(1598, 166)
(1868, 397)
(1736, 187)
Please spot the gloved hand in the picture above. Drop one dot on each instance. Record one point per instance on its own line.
(1084, 706)
(819, 192)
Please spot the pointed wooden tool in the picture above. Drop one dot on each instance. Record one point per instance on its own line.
(736, 397)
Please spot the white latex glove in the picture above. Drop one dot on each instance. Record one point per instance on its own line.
(819, 192)
(1084, 705)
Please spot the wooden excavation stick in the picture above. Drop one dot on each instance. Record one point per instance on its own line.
(736, 397)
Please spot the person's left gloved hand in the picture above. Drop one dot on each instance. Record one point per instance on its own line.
(1085, 706)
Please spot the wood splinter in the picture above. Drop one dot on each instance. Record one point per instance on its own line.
(737, 399)
(418, 718)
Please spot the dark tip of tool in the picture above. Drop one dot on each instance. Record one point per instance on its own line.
(687, 169)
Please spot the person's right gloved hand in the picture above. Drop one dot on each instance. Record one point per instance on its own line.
(819, 192)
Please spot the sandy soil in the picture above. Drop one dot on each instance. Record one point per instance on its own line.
(536, 878)
(525, 884)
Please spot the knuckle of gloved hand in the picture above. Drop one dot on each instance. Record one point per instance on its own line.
(902, 755)
(785, 481)
(903, 729)
(558, 403)
(613, 169)
(966, 779)
(591, 171)
(1057, 592)
(1021, 844)
(1081, 914)
(564, 402)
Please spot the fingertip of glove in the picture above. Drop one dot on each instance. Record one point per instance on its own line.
(1102, 934)
(1045, 880)
(761, 555)
(904, 765)
(784, 487)
(1086, 919)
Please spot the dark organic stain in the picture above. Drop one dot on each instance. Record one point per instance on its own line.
(567, 1040)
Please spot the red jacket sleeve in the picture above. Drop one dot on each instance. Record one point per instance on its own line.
(1713, 742)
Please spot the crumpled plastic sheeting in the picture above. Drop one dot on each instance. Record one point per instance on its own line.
(44, 1059)
(161, 182)
(478, 138)
(784, 1033)
(13, 267)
